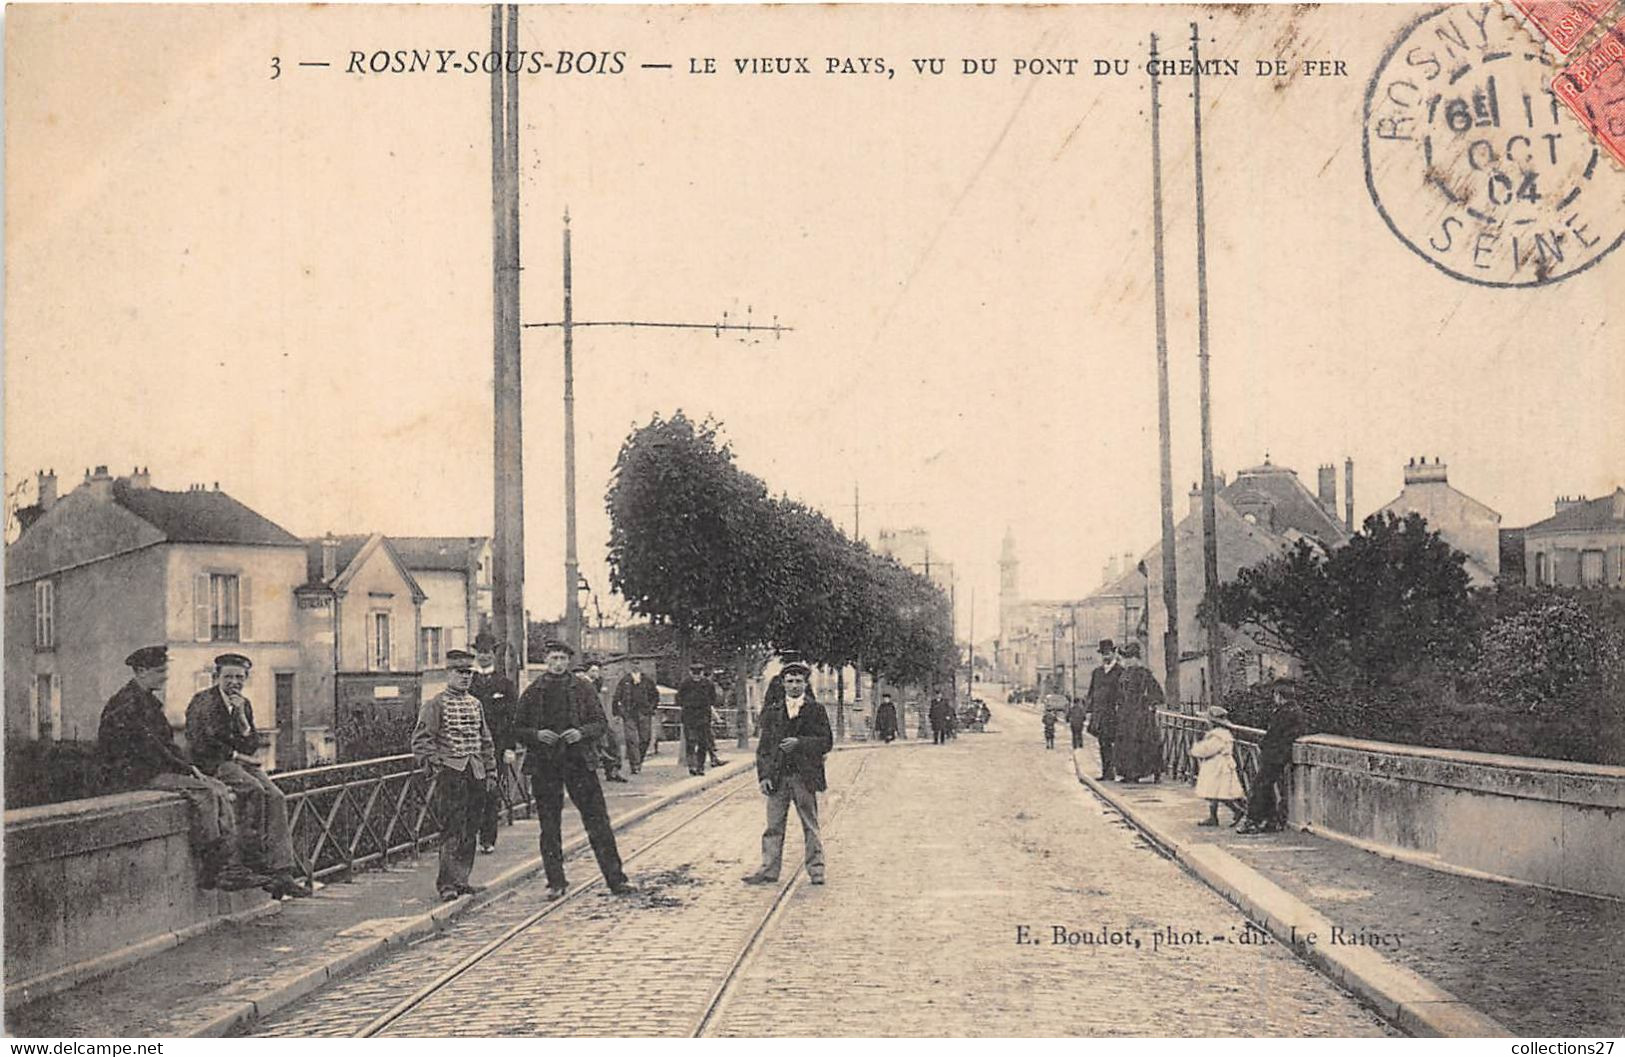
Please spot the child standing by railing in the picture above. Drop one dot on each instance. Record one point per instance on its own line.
(1217, 781)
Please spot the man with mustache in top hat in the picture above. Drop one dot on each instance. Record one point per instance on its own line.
(1103, 696)
(453, 743)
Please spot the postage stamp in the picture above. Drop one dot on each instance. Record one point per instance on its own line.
(1593, 86)
(1471, 161)
(1563, 22)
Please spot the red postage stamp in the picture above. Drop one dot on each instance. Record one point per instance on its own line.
(1593, 86)
(1563, 22)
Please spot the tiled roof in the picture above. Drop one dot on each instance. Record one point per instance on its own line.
(1593, 514)
(1293, 504)
(439, 553)
(348, 548)
(199, 516)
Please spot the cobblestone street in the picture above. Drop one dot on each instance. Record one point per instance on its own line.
(938, 857)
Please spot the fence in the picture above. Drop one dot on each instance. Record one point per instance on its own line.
(1180, 731)
(352, 816)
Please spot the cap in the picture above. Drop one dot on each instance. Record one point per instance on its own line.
(1130, 649)
(795, 668)
(557, 646)
(459, 659)
(696, 666)
(485, 642)
(148, 657)
(1217, 711)
(1108, 646)
(233, 659)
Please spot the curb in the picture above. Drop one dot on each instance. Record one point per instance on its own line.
(279, 992)
(1405, 999)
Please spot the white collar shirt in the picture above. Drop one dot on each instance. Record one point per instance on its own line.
(792, 705)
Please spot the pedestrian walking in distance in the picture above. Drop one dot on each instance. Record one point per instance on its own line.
(886, 719)
(1216, 778)
(1049, 728)
(1102, 698)
(636, 702)
(939, 720)
(790, 769)
(453, 744)
(558, 720)
(1076, 716)
(697, 698)
(498, 697)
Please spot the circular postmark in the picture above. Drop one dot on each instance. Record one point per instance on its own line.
(1473, 165)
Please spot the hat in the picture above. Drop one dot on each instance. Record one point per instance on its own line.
(234, 659)
(485, 642)
(1217, 712)
(795, 668)
(1130, 649)
(696, 664)
(148, 657)
(556, 646)
(459, 659)
(1107, 646)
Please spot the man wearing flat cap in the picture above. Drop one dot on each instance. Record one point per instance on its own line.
(453, 744)
(637, 702)
(498, 697)
(138, 747)
(220, 731)
(1105, 692)
(557, 722)
(795, 737)
(697, 697)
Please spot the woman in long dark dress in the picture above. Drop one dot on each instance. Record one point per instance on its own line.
(1138, 751)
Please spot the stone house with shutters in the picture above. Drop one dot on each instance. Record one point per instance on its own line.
(1581, 545)
(454, 573)
(117, 564)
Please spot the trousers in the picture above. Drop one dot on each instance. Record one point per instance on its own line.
(1077, 735)
(637, 739)
(697, 742)
(792, 790)
(549, 782)
(1106, 760)
(214, 820)
(262, 817)
(459, 802)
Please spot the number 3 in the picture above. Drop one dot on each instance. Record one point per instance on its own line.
(276, 67)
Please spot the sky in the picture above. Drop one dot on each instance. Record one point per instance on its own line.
(284, 285)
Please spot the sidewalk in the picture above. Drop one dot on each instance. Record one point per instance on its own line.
(211, 984)
(1435, 952)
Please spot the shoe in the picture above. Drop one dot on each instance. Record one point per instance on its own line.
(616, 778)
(1208, 822)
(286, 885)
(488, 849)
(470, 890)
(555, 892)
(716, 761)
(449, 895)
(815, 878)
(759, 878)
(1104, 778)
(623, 888)
(239, 879)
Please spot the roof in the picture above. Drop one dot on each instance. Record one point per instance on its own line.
(348, 548)
(1591, 515)
(202, 516)
(1295, 507)
(437, 553)
(352, 554)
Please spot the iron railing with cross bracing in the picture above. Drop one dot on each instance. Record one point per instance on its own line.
(1179, 731)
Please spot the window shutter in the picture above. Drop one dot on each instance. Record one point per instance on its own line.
(34, 706)
(394, 663)
(56, 709)
(245, 609)
(200, 607)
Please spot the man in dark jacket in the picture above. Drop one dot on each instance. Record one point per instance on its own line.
(137, 745)
(790, 768)
(886, 719)
(498, 698)
(225, 745)
(1266, 808)
(939, 720)
(1076, 716)
(697, 698)
(1103, 697)
(636, 702)
(558, 720)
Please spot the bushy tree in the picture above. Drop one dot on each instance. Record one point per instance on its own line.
(1544, 655)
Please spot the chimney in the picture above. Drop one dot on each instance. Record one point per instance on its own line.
(45, 481)
(1328, 489)
(330, 558)
(1196, 499)
(100, 484)
(1348, 494)
(1565, 502)
(1425, 472)
(140, 478)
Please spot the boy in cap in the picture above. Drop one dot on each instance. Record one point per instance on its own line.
(697, 697)
(220, 730)
(498, 697)
(138, 747)
(790, 754)
(558, 719)
(453, 743)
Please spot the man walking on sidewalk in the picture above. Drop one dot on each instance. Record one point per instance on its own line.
(1103, 696)
(453, 744)
(558, 720)
(498, 697)
(697, 697)
(636, 701)
(790, 768)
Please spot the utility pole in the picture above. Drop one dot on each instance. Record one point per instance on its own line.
(1210, 540)
(1170, 562)
(970, 652)
(508, 507)
(569, 324)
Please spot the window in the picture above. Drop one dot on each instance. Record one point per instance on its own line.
(222, 607)
(45, 615)
(432, 638)
(379, 642)
(1543, 572)
(1591, 566)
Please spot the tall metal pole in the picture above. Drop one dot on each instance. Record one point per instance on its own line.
(1170, 563)
(572, 569)
(508, 527)
(1210, 540)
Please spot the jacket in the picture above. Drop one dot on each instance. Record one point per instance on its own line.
(697, 698)
(135, 740)
(579, 708)
(211, 733)
(811, 726)
(636, 700)
(1104, 695)
(500, 698)
(430, 743)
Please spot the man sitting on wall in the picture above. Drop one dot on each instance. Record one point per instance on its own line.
(220, 730)
(138, 747)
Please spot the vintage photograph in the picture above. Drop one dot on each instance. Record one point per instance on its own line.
(815, 521)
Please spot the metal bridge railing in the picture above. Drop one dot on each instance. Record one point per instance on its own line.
(1179, 731)
(352, 816)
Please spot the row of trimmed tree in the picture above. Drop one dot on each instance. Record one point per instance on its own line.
(700, 544)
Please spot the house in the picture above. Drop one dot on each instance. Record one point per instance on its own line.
(1051, 642)
(117, 564)
(1462, 521)
(1581, 545)
(360, 612)
(454, 573)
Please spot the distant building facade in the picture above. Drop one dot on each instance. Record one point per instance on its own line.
(1581, 545)
(1462, 521)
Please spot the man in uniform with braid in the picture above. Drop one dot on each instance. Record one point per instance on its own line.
(453, 744)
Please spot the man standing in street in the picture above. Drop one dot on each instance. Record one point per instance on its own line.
(886, 719)
(558, 718)
(498, 698)
(452, 742)
(138, 747)
(1102, 699)
(790, 769)
(939, 720)
(1076, 716)
(225, 745)
(697, 698)
(636, 701)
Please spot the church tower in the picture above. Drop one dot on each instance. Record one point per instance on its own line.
(1009, 585)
